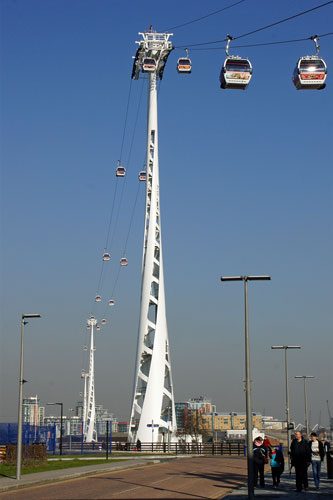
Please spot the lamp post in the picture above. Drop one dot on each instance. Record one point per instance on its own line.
(61, 416)
(249, 426)
(21, 382)
(304, 377)
(286, 347)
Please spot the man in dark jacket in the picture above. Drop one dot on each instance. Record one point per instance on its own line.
(300, 459)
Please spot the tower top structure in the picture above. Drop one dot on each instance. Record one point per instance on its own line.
(92, 321)
(153, 46)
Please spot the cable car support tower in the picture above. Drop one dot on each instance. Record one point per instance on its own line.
(89, 412)
(153, 410)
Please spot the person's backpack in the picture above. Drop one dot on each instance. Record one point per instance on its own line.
(279, 458)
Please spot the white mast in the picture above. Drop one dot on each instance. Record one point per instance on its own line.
(153, 409)
(84, 375)
(89, 429)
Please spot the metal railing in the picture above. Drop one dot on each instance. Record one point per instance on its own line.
(217, 448)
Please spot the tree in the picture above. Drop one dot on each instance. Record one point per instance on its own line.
(193, 427)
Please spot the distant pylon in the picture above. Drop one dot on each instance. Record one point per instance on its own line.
(89, 417)
(153, 409)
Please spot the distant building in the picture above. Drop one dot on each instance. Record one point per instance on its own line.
(73, 426)
(194, 406)
(56, 420)
(229, 421)
(102, 416)
(202, 403)
(33, 413)
(123, 426)
(269, 422)
(79, 409)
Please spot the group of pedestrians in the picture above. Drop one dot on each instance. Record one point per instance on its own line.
(302, 454)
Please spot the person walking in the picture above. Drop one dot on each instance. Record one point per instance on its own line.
(277, 465)
(300, 459)
(259, 461)
(317, 456)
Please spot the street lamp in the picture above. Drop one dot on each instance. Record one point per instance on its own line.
(20, 405)
(286, 347)
(304, 377)
(61, 415)
(250, 465)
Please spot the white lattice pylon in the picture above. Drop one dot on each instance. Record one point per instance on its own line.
(89, 427)
(84, 375)
(153, 410)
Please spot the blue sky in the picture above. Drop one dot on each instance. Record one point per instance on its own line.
(246, 188)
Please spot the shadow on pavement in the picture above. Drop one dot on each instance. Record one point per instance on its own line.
(156, 488)
(227, 478)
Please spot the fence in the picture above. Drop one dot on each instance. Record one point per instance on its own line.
(31, 434)
(217, 448)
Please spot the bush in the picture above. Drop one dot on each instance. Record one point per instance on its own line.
(31, 453)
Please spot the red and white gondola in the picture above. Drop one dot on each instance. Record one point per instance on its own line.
(184, 64)
(236, 71)
(148, 65)
(310, 71)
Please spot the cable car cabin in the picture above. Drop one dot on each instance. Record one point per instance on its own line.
(236, 73)
(85, 348)
(98, 298)
(148, 65)
(142, 176)
(120, 172)
(184, 65)
(103, 321)
(111, 302)
(106, 256)
(123, 261)
(310, 73)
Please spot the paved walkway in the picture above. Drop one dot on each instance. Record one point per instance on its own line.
(53, 476)
(186, 477)
(197, 478)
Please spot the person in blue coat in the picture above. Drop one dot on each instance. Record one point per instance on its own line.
(277, 465)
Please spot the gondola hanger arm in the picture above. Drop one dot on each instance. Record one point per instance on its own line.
(229, 37)
(315, 38)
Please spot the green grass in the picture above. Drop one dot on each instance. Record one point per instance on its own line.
(113, 455)
(8, 470)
